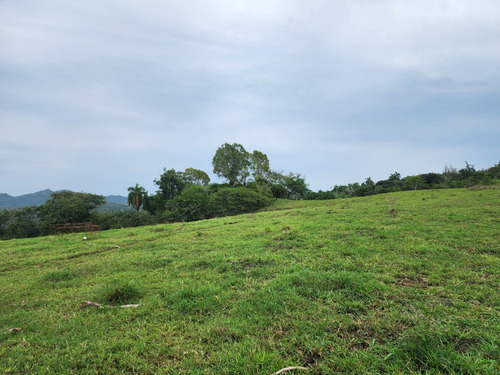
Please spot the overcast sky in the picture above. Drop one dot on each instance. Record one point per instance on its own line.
(96, 96)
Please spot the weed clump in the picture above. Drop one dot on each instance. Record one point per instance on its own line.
(120, 292)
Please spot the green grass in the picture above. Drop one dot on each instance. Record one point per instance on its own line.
(404, 283)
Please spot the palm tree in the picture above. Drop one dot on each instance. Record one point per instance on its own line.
(136, 196)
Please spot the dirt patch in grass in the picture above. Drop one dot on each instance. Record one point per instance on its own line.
(249, 263)
(310, 357)
(419, 282)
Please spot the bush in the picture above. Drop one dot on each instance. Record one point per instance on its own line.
(191, 205)
(234, 201)
(20, 223)
(279, 191)
(122, 219)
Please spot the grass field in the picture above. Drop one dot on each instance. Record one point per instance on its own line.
(403, 283)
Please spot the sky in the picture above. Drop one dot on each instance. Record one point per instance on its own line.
(96, 96)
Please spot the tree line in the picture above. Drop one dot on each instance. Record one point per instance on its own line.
(450, 178)
(188, 195)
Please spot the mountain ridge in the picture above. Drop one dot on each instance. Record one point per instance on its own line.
(40, 197)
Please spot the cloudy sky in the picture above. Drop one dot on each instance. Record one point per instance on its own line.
(96, 96)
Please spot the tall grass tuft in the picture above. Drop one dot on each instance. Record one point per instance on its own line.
(118, 292)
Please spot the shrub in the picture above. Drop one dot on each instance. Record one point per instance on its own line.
(191, 205)
(279, 191)
(20, 223)
(122, 219)
(234, 201)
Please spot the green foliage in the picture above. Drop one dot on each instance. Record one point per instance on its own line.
(366, 188)
(192, 204)
(122, 219)
(154, 204)
(494, 172)
(450, 178)
(232, 162)
(279, 191)
(234, 201)
(413, 182)
(260, 165)
(430, 180)
(467, 172)
(136, 196)
(196, 177)
(69, 207)
(171, 183)
(450, 173)
(20, 223)
(296, 186)
(261, 186)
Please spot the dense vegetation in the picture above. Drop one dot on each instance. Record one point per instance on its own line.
(398, 283)
(188, 196)
(449, 178)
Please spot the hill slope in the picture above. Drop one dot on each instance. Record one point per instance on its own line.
(33, 199)
(394, 283)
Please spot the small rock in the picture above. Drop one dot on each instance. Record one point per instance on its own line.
(16, 329)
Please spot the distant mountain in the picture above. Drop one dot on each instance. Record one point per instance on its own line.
(40, 197)
(116, 199)
(33, 199)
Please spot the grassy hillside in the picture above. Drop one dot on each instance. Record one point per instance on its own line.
(396, 283)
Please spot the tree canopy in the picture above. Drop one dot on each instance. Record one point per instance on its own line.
(69, 207)
(196, 177)
(232, 162)
(260, 165)
(136, 196)
(171, 183)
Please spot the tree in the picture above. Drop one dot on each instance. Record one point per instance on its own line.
(279, 191)
(393, 183)
(136, 196)
(260, 165)
(366, 188)
(413, 182)
(395, 177)
(296, 186)
(450, 173)
(466, 172)
(68, 207)
(431, 180)
(171, 183)
(20, 223)
(494, 171)
(154, 203)
(196, 177)
(232, 162)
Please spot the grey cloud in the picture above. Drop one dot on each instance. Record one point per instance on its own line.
(324, 88)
